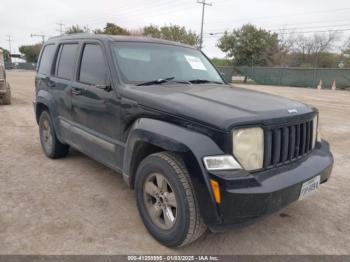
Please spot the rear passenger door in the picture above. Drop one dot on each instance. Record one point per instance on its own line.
(44, 70)
(95, 109)
(60, 84)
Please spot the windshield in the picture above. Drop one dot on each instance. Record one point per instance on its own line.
(146, 62)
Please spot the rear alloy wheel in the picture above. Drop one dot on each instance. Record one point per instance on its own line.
(47, 135)
(52, 147)
(166, 200)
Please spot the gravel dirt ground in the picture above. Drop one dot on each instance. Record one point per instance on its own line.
(77, 206)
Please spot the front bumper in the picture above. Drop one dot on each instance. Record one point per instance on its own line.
(247, 199)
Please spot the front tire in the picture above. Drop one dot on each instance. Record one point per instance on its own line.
(166, 200)
(51, 146)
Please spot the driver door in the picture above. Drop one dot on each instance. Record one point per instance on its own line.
(95, 109)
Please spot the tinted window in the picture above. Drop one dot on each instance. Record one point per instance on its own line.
(65, 67)
(93, 68)
(46, 59)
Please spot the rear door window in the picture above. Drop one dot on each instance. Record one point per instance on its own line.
(66, 61)
(46, 59)
(93, 69)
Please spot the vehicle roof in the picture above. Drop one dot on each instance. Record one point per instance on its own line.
(113, 38)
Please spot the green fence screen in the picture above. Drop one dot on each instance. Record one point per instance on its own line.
(24, 66)
(297, 76)
(227, 72)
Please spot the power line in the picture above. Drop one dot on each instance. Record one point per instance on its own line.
(9, 40)
(286, 33)
(61, 26)
(203, 3)
(279, 16)
(311, 27)
(319, 31)
(156, 9)
(39, 35)
(302, 25)
(332, 27)
(316, 22)
(176, 7)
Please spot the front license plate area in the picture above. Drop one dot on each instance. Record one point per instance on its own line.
(309, 187)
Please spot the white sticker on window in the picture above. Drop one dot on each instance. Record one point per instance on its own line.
(195, 63)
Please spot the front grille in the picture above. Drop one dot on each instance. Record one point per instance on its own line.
(287, 143)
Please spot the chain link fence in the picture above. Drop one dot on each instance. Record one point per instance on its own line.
(23, 66)
(227, 72)
(300, 77)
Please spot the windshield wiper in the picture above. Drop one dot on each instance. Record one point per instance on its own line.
(204, 81)
(161, 81)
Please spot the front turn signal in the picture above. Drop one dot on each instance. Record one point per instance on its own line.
(216, 190)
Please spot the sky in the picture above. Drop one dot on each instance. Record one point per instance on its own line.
(21, 18)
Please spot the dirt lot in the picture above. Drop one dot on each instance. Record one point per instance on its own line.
(77, 206)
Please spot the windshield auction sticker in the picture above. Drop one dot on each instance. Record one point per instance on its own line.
(195, 63)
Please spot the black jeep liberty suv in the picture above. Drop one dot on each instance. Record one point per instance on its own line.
(198, 152)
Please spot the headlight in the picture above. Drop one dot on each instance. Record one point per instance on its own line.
(316, 136)
(224, 162)
(248, 147)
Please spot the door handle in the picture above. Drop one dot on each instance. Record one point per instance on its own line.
(51, 83)
(76, 91)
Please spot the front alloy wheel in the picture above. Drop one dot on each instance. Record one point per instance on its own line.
(166, 200)
(160, 201)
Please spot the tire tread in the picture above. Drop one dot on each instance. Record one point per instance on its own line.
(59, 149)
(197, 227)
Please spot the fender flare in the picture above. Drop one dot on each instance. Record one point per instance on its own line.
(44, 97)
(193, 146)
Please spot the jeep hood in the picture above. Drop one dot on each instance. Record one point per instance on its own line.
(219, 106)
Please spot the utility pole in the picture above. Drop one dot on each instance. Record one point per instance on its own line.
(203, 3)
(36, 35)
(9, 40)
(61, 25)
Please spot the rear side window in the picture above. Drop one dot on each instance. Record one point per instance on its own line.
(46, 59)
(66, 61)
(93, 69)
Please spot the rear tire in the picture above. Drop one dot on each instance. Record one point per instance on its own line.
(51, 146)
(162, 183)
(7, 98)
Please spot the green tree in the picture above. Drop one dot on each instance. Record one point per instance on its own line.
(152, 31)
(112, 29)
(314, 50)
(6, 54)
(346, 49)
(250, 45)
(31, 52)
(172, 33)
(328, 60)
(221, 61)
(76, 29)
